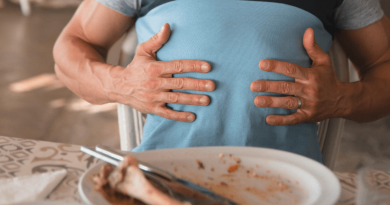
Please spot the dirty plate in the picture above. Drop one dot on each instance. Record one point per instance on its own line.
(257, 175)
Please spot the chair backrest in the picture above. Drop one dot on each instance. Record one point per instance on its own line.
(130, 120)
(330, 131)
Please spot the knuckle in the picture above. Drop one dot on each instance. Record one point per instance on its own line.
(285, 88)
(178, 66)
(291, 68)
(178, 83)
(316, 76)
(173, 97)
(193, 66)
(289, 104)
(151, 108)
(153, 68)
(195, 85)
(161, 112)
(148, 97)
(326, 58)
(295, 121)
(151, 84)
(154, 37)
(267, 87)
(310, 91)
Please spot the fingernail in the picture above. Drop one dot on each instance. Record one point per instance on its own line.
(209, 86)
(261, 101)
(190, 118)
(271, 120)
(257, 87)
(205, 68)
(161, 30)
(203, 100)
(265, 65)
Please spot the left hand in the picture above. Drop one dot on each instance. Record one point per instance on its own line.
(317, 87)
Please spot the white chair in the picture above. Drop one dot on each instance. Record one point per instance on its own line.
(330, 131)
(130, 120)
(25, 6)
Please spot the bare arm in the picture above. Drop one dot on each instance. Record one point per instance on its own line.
(322, 95)
(81, 49)
(144, 84)
(369, 50)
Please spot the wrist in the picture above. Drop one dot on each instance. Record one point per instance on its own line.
(350, 98)
(113, 79)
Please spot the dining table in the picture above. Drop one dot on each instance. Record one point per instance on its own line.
(19, 156)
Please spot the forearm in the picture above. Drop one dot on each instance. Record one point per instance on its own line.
(82, 68)
(81, 49)
(368, 99)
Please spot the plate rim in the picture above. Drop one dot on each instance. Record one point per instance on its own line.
(325, 176)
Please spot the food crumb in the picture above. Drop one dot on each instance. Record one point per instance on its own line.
(200, 164)
(254, 174)
(221, 155)
(233, 168)
(175, 169)
(224, 184)
(212, 169)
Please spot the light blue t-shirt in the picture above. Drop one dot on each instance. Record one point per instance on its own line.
(234, 36)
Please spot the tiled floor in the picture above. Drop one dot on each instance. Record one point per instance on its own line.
(34, 104)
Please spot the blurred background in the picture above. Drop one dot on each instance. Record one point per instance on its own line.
(35, 105)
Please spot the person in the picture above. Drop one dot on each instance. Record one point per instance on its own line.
(229, 72)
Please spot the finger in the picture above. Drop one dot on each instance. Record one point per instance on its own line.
(187, 84)
(167, 113)
(282, 87)
(182, 98)
(285, 68)
(151, 46)
(292, 119)
(277, 102)
(184, 66)
(313, 49)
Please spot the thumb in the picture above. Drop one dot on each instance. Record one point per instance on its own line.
(313, 49)
(151, 46)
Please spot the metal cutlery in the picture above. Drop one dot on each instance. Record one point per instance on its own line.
(180, 189)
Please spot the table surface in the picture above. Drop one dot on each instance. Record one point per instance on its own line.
(24, 157)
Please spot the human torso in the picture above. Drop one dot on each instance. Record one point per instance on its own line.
(233, 36)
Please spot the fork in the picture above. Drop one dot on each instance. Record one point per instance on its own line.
(165, 181)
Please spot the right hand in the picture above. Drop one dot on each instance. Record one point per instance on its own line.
(145, 83)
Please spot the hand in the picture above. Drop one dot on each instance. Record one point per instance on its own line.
(145, 83)
(317, 87)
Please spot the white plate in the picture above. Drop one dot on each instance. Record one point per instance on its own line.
(265, 176)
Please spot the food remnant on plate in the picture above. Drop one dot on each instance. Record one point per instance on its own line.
(236, 159)
(224, 184)
(233, 168)
(127, 185)
(200, 164)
